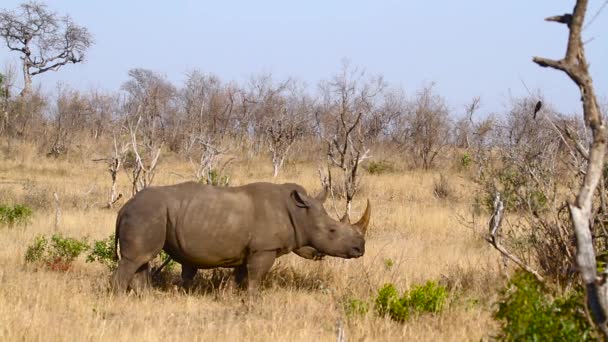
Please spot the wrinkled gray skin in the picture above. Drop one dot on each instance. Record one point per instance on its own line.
(245, 228)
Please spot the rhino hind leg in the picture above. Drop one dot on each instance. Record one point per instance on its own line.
(124, 273)
(131, 273)
(141, 279)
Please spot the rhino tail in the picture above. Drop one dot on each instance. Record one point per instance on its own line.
(116, 246)
(116, 256)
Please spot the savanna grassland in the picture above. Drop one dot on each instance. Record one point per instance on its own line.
(414, 236)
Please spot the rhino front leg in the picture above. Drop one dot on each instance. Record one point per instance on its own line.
(258, 265)
(188, 273)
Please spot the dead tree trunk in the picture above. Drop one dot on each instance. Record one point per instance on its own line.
(574, 64)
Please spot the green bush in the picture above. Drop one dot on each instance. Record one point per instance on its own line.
(527, 312)
(355, 307)
(429, 297)
(216, 178)
(102, 251)
(466, 160)
(56, 253)
(380, 167)
(15, 215)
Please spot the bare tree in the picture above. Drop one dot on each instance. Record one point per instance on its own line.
(425, 127)
(144, 168)
(71, 116)
(464, 126)
(4, 97)
(347, 99)
(115, 163)
(207, 107)
(45, 40)
(211, 162)
(575, 65)
(287, 124)
(281, 133)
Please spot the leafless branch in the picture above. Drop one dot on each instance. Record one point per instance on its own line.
(493, 237)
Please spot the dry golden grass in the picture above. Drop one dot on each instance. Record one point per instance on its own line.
(301, 300)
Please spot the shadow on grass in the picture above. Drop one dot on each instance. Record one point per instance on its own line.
(218, 281)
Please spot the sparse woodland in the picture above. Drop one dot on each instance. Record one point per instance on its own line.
(475, 205)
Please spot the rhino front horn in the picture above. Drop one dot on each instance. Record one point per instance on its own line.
(362, 224)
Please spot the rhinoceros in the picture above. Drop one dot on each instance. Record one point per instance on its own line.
(245, 228)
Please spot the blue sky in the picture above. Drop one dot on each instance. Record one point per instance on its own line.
(468, 48)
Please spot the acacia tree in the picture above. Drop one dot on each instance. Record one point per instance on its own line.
(45, 40)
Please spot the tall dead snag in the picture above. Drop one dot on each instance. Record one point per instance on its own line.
(144, 169)
(574, 64)
(115, 163)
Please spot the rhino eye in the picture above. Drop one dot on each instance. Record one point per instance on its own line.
(332, 230)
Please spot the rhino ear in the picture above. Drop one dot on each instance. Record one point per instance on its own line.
(299, 199)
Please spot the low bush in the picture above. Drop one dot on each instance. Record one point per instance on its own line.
(15, 215)
(56, 253)
(216, 178)
(102, 251)
(465, 160)
(380, 167)
(528, 312)
(441, 187)
(427, 298)
(355, 307)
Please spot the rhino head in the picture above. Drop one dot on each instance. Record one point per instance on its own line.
(328, 236)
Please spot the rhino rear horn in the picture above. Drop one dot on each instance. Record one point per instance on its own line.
(362, 224)
(345, 218)
(322, 196)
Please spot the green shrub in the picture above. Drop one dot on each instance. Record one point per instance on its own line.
(102, 251)
(36, 250)
(429, 297)
(466, 160)
(355, 307)
(56, 253)
(216, 178)
(527, 312)
(380, 167)
(15, 215)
